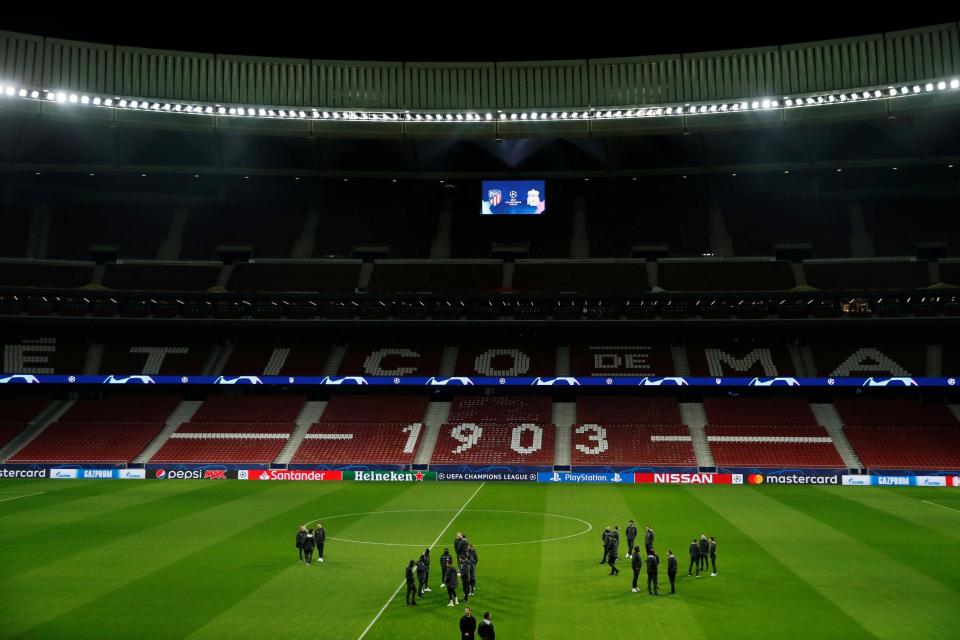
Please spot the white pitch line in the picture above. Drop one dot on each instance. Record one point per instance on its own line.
(26, 496)
(941, 506)
(400, 586)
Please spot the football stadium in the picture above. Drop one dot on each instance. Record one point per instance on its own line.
(366, 345)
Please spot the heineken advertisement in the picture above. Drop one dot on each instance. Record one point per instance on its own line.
(389, 476)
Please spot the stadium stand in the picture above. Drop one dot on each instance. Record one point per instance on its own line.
(16, 220)
(133, 230)
(233, 429)
(365, 430)
(152, 355)
(159, 276)
(17, 411)
(399, 359)
(725, 275)
(314, 275)
(45, 274)
(866, 275)
(437, 276)
(112, 430)
(582, 276)
(758, 223)
(837, 358)
(898, 225)
(739, 358)
(241, 224)
(625, 216)
(43, 354)
(644, 358)
(277, 357)
(950, 272)
(506, 360)
(629, 431)
(901, 433)
(497, 430)
(767, 432)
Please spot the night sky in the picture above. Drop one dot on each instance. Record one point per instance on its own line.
(458, 32)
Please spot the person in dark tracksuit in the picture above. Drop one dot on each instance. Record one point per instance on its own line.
(308, 548)
(637, 563)
(426, 564)
(411, 587)
(713, 554)
(450, 582)
(631, 536)
(648, 539)
(613, 550)
(672, 570)
(704, 545)
(467, 573)
(653, 564)
(301, 536)
(605, 536)
(445, 561)
(474, 559)
(319, 538)
(421, 576)
(694, 558)
(485, 629)
(468, 625)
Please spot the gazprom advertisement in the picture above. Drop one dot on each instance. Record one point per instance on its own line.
(513, 197)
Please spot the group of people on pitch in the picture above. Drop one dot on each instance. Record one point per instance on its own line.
(308, 540)
(699, 552)
(465, 570)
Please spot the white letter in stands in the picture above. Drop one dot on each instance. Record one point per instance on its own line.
(869, 361)
(716, 359)
(633, 360)
(372, 363)
(155, 357)
(19, 358)
(599, 436)
(483, 364)
(515, 438)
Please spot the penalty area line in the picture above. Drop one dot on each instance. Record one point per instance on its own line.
(941, 506)
(400, 586)
(25, 496)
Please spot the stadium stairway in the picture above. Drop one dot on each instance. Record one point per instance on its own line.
(797, 361)
(681, 366)
(806, 354)
(309, 415)
(563, 360)
(934, 360)
(448, 361)
(93, 359)
(183, 413)
(221, 358)
(564, 416)
(695, 417)
(335, 359)
(36, 426)
(828, 418)
(955, 410)
(436, 416)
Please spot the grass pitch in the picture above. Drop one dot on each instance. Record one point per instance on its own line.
(207, 559)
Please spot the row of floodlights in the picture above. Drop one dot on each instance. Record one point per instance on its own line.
(389, 116)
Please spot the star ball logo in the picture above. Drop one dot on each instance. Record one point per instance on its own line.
(755, 478)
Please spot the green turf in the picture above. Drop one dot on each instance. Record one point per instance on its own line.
(207, 559)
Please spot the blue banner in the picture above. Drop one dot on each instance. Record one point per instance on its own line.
(584, 477)
(488, 476)
(468, 381)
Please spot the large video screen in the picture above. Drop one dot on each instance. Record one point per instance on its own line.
(513, 197)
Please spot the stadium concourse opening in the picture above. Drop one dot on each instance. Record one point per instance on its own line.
(445, 325)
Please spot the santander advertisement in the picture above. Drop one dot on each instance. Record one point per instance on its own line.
(284, 474)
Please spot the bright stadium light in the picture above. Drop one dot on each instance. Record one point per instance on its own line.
(928, 86)
(96, 101)
(503, 116)
(123, 104)
(34, 94)
(955, 84)
(22, 93)
(765, 104)
(941, 85)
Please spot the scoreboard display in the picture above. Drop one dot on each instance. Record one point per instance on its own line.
(513, 197)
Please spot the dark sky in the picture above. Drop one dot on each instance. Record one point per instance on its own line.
(460, 32)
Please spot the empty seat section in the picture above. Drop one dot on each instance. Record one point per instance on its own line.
(898, 225)
(613, 358)
(386, 359)
(629, 431)
(17, 411)
(277, 357)
(835, 358)
(16, 221)
(582, 276)
(725, 275)
(42, 354)
(758, 411)
(303, 276)
(45, 275)
(497, 430)
(866, 276)
(268, 228)
(375, 409)
(133, 230)
(159, 276)
(746, 358)
(506, 360)
(632, 215)
(360, 443)
(113, 430)
(759, 222)
(150, 356)
(436, 276)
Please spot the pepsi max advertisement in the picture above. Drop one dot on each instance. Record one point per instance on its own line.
(513, 197)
